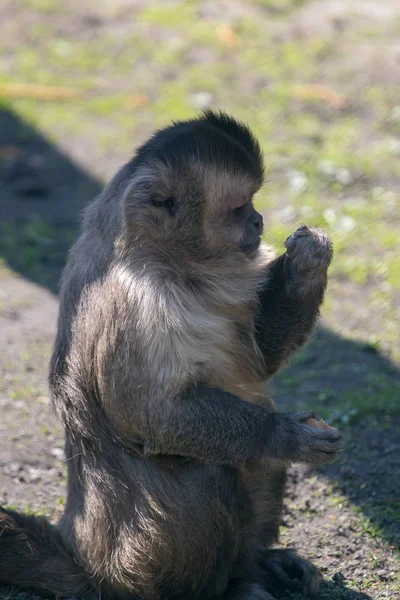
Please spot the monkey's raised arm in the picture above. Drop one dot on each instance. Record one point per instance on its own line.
(290, 300)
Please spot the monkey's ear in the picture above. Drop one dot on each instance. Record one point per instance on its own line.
(141, 184)
(138, 192)
(148, 186)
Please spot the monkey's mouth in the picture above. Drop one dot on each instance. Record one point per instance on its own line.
(251, 248)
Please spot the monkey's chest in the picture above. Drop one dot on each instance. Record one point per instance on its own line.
(240, 373)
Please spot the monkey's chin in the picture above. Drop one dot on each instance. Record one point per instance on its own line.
(251, 249)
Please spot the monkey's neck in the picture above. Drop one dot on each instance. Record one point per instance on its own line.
(220, 282)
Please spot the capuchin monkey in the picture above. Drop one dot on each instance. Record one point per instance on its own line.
(173, 315)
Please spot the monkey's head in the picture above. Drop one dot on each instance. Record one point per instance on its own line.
(191, 189)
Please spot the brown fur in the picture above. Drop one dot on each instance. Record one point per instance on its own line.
(169, 327)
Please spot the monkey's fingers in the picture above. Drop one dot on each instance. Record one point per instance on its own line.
(290, 242)
(329, 434)
(305, 572)
(320, 446)
(304, 416)
(291, 570)
(278, 572)
(309, 249)
(301, 231)
(310, 419)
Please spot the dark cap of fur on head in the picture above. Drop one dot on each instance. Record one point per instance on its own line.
(212, 137)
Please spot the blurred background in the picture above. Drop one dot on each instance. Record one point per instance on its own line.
(82, 84)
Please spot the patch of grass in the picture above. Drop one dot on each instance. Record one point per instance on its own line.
(28, 510)
(174, 101)
(368, 526)
(21, 392)
(45, 6)
(375, 400)
(356, 404)
(280, 7)
(169, 14)
(34, 246)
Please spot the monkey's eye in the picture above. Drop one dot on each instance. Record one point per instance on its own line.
(170, 204)
(239, 210)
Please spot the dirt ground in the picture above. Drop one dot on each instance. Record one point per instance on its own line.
(319, 82)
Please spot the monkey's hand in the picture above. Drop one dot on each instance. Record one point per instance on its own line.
(309, 252)
(316, 445)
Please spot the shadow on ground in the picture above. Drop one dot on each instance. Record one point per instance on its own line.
(354, 386)
(42, 194)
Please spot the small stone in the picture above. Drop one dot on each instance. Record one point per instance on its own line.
(298, 181)
(35, 475)
(382, 574)
(346, 224)
(19, 404)
(327, 168)
(202, 100)
(14, 468)
(57, 453)
(345, 176)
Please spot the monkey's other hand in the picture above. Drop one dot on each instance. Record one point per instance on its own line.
(315, 445)
(309, 250)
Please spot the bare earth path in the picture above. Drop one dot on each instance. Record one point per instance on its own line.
(320, 84)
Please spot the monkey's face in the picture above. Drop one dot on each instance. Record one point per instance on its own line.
(202, 211)
(235, 224)
(192, 189)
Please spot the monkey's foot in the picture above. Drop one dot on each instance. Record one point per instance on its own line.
(285, 569)
(248, 591)
(309, 249)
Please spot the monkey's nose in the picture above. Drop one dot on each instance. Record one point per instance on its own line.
(258, 223)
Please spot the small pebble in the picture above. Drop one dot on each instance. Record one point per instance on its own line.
(57, 452)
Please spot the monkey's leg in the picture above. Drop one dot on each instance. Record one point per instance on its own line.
(248, 591)
(178, 530)
(266, 490)
(283, 569)
(205, 533)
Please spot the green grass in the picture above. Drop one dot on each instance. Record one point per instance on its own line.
(30, 247)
